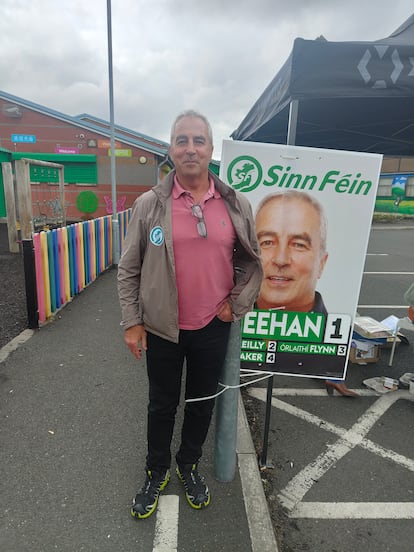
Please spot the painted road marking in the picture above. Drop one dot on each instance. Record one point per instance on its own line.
(355, 510)
(393, 307)
(166, 525)
(15, 344)
(352, 436)
(292, 495)
(280, 392)
(390, 273)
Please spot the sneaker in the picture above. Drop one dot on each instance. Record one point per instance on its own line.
(196, 491)
(146, 500)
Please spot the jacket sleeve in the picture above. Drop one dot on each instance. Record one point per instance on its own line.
(248, 272)
(130, 268)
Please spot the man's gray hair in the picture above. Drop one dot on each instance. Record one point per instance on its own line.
(306, 198)
(196, 115)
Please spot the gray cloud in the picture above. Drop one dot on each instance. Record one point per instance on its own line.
(169, 55)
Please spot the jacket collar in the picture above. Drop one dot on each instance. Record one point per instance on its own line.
(164, 188)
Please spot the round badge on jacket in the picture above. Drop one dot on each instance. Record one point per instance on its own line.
(157, 235)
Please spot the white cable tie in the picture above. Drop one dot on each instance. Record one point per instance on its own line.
(250, 371)
(226, 387)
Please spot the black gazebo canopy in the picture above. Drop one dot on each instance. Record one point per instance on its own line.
(341, 95)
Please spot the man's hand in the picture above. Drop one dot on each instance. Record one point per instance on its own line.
(225, 313)
(136, 339)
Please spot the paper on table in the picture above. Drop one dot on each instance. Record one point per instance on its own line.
(390, 322)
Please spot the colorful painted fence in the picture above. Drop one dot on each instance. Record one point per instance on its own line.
(123, 221)
(68, 259)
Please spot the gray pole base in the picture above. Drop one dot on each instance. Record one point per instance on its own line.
(226, 411)
(115, 242)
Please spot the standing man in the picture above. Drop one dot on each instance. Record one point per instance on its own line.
(409, 297)
(291, 228)
(190, 266)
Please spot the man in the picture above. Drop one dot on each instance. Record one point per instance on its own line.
(409, 297)
(189, 267)
(291, 228)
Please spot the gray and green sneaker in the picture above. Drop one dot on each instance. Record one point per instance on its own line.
(196, 490)
(146, 500)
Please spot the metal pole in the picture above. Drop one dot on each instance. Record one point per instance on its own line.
(226, 413)
(263, 463)
(293, 122)
(115, 225)
(30, 282)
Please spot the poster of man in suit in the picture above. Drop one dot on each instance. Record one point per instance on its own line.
(313, 210)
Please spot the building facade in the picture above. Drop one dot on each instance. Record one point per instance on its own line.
(82, 145)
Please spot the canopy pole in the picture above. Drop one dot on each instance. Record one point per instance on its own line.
(293, 122)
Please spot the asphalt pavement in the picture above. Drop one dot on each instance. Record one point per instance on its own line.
(72, 443)
(343, 469)
(73, 406)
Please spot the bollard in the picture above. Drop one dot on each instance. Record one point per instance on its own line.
(226, 411)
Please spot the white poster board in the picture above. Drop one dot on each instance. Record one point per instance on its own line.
(311, 344)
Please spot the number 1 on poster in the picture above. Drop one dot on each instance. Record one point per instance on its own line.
(337, 328)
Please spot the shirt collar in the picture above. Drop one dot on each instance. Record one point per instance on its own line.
(178, 190)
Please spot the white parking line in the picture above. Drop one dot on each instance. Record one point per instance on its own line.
(280, 392)
(391, 273)
(392, 307)
(355, 510)
(292, 495)
(15, 344)
(166, 525)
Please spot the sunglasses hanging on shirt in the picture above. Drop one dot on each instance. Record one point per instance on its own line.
(201, 224)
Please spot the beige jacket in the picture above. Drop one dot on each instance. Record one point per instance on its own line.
(146, 273)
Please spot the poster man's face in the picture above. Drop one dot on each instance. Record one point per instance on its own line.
(288, 231)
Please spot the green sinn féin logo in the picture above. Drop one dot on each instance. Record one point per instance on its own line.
(244, 173)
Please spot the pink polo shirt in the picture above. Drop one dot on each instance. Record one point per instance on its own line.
(203, 266)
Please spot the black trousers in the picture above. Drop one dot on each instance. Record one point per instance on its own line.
(204, 351)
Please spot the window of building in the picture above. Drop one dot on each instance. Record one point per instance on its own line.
(78, 169)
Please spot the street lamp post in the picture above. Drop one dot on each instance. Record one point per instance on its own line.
(115, 224)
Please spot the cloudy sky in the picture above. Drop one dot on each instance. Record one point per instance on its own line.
(216, 56)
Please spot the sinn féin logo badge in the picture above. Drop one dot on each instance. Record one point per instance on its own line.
(244, 173)
(157, 235)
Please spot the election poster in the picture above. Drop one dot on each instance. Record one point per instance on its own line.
(313, 211)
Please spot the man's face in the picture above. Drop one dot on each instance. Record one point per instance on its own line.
(288, 231)
(191, 148)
